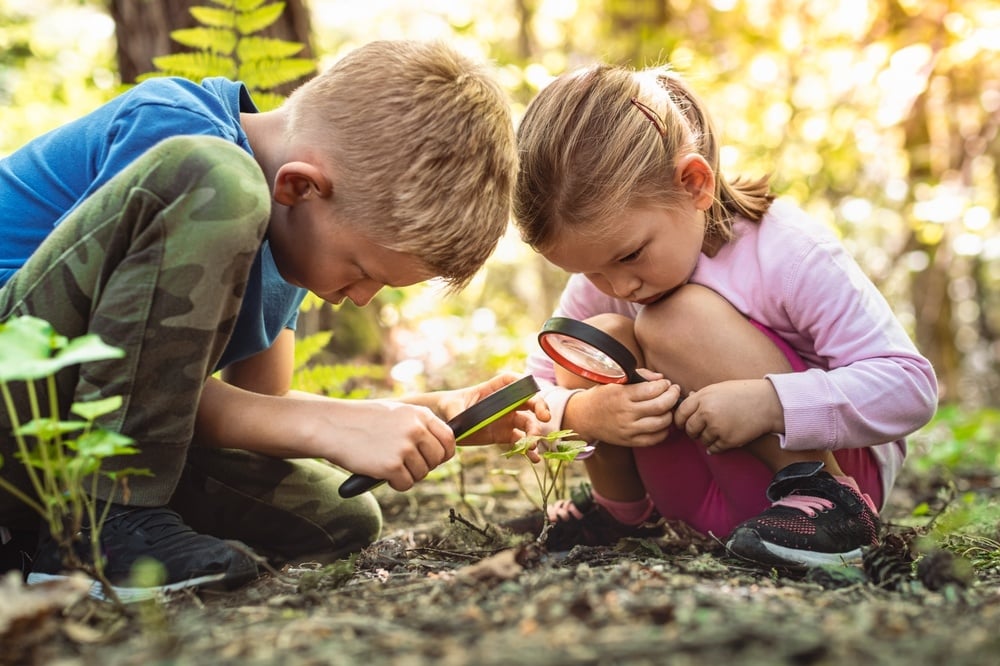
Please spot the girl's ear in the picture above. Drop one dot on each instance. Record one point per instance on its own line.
(296, 181)
(697, 178)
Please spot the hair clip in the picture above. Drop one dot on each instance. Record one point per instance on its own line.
(652, 115)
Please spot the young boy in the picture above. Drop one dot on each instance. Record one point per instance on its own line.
(184, 227)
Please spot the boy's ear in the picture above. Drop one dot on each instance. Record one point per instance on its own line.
(296, 181)
(697, 178)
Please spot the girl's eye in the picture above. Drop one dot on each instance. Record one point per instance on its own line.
(629, 258)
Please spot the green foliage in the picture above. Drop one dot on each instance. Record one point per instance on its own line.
(338, 380)
(225, 45)
(559, 448)
(958, 439)
(63, 470)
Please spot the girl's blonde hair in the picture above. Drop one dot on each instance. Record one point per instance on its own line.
(421, 141)
(605, 139)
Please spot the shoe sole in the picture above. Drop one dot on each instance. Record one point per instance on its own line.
(748, 545)
(135, 594)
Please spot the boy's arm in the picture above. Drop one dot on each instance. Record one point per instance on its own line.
(251, 408)
(270, 371)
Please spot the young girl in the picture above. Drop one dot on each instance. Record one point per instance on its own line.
(798, 382)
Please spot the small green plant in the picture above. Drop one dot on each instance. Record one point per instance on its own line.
(225, 45)
(62, 457)
(559, 448)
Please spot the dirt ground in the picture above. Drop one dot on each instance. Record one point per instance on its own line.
(444, 587)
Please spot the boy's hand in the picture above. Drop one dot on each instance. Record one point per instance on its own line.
(394, 441)
(731, 414)
(505, 430)
(624, 414)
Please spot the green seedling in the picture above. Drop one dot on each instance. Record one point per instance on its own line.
(62, 457)
(559, 448)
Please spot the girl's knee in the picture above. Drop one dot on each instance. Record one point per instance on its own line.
(681, 321)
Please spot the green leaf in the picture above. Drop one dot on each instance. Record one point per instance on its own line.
(214, 40)
(86, 349)
(114, 475)
(258, 19)
(196, 66)
(92, 409)
(245, 5)
(47, 429)
(266, 74)
(251, 49)
(214, 18)
(26, 346)
(104, 444)
(267, 101)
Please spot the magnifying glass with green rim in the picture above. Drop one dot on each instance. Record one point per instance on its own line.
(475, 418)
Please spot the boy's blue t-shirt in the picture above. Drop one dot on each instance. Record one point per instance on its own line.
(44, 180)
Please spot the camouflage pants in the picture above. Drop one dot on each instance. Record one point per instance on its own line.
(156, 262)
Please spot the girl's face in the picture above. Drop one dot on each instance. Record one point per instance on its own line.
(648, 253)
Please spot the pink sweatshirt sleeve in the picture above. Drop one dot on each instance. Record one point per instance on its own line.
(867, 383)
(871, 385)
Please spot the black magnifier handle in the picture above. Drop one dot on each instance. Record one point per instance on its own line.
(357, 484)
(480, 415)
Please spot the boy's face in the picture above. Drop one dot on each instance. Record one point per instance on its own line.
(335, 261)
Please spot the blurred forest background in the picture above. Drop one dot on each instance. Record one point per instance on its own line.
(878, 117)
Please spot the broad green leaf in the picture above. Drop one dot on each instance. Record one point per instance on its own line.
(94, 408)
(50, 428)
(104, 444)
(26, 346)
(86, 349)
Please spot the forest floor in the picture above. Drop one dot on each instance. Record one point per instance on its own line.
(444, 587)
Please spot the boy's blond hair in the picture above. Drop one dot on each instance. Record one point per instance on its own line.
(605, 139)
(421, 141)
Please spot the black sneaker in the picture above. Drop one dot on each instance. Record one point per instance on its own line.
(131, 534)
(814, 520)
(580, 521)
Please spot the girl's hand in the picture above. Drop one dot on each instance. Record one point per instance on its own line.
(624, 414)
(731, 414)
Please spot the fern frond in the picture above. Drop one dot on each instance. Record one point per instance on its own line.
(258, 19)
(265, 48)
(267, 74)
(214, 40)
(195, 66)
(266, 101)
(214, 18)
(245, 5)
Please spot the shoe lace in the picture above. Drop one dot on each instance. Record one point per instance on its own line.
(807, 504)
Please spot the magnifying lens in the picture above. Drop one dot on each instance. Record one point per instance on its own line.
(486, 411)
(588, 352)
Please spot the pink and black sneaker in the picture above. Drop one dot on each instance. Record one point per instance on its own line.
(813, 520)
